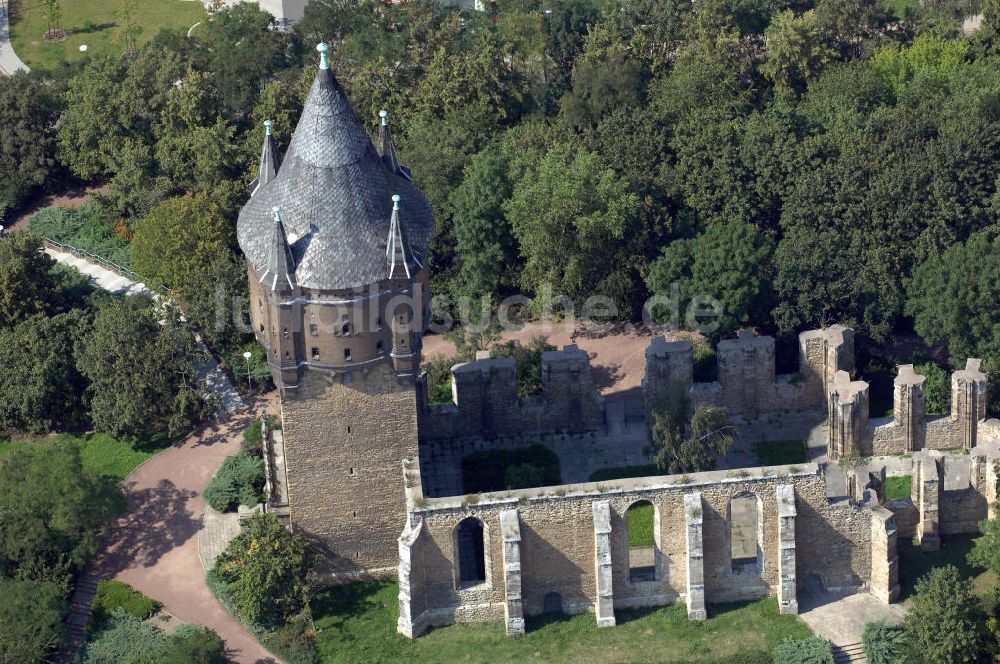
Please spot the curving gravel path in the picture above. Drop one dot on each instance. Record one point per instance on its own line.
(9, 62)
(154, 546)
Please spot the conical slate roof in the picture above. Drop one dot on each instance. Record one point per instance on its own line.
(335, 194)
(269, 162)
(400, 260)
(278, 270)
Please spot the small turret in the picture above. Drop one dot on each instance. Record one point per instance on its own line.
(387, 149)
(269, 161)
(279, 270)
(400, 259)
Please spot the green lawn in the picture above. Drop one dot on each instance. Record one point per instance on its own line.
(91, 22)
(914, 563)
(898, 488)
(781, 452)
(103, 454)
(357, 623)
(640, 525)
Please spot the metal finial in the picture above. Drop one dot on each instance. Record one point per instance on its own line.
(277, 212)
(267, 127)
(323, 48)
(384, 114)
(395, 201)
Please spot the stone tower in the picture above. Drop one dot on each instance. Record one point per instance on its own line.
(335, 239)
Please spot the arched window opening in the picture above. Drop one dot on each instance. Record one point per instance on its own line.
(746, 534)
(640, 520)
(345, 329)
(471, 549)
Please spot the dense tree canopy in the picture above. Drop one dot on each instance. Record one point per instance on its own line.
(832, 152)
(140, 371)
(54, 511)
(28, 112)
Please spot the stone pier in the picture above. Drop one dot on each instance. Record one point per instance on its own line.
(884, 582)
(968, 400)
(927, 497)
(908, 407)
(787, 597)
(604, 607)
(695, 557)
(510, 532)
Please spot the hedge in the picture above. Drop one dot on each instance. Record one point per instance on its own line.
(812, 650)
(240, 481)
(114, 595)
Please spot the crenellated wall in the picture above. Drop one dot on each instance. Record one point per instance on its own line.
(910, 430)
(485, 403)
(747, 384)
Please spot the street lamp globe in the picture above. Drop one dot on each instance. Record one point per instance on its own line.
(247, 355)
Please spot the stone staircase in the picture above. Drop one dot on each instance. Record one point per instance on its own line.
(79, 615)
(850, 654)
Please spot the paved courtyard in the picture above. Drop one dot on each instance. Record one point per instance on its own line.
(841, 619)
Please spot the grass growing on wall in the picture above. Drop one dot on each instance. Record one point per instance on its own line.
(357, 623)
(781, 452)
(898, 488)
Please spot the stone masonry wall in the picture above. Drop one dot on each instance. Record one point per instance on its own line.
(558, 545)
(343, 445)
(485, 403)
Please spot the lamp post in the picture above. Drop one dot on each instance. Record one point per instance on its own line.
(247, 355)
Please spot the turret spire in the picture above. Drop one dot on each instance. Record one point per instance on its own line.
(269, 161)
(399, 256)
(280, 266)
(323, 48)
(387, 149)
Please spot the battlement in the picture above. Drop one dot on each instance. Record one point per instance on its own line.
(748, 384)
(485, 401)
(909, 429)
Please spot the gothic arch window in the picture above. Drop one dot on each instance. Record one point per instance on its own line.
(470, 552)
(641, 532)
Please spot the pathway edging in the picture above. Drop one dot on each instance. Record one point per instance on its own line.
(9, 62)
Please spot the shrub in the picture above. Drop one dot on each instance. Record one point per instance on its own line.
(239, 481)
(706, 367)
(294, 643)
(523, 476)
(529, 362)
(192, 644)
(253, 439)
(486, 470)
(937, 390)
(124, 639)
(812, 650)
(114, 595)
(91, 228)
(884, 644)
(438, 371)
(264, 571)
(31, 615)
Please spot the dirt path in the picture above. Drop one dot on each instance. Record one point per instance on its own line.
(73, 199)
(154, 546)
(617, 353)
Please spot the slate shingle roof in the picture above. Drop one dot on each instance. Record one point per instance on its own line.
(335, 194)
